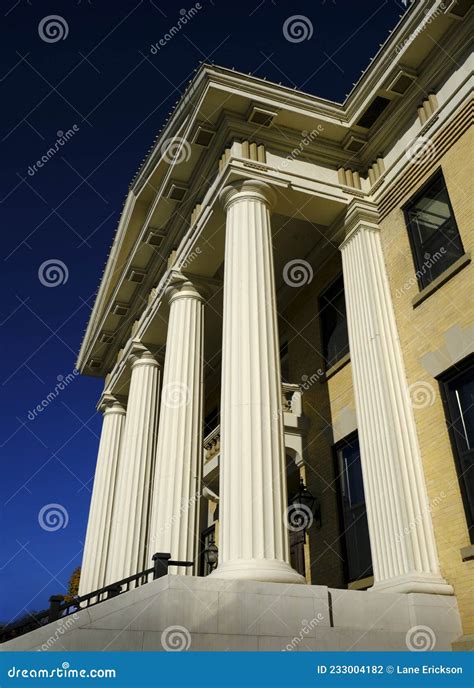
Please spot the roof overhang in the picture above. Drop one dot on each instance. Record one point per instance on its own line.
(218, 106)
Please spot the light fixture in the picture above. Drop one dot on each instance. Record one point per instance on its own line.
(306, 503)
(211, 554)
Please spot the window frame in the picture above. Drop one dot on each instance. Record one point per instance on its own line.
(328, 365)
(347, 441)
(445, 380)
(416, 248)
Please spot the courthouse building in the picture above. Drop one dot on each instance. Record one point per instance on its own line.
(284, 328)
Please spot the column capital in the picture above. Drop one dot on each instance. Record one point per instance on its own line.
(111, 403)
(186, 285)
(139, 354)
(359, 213)
(248, 190)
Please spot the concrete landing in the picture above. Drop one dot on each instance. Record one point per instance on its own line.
(209, 614)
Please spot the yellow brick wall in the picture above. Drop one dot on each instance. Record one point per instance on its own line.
(421, 331)
(300, 324)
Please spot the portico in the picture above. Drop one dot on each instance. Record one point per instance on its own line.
(233, 281)
(257, 349)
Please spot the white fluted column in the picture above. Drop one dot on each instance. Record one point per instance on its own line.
(253, 540)
(401, 532)
(130, 520)
(176, 490)
(96, 547)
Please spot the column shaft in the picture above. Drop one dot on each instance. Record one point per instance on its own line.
(176, 490)
(128, 552)
(401, 532)
(100, 514)
(253, 500)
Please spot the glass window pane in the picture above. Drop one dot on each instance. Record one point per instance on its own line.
(464, 393)
(334, 323)
(354, 481)
(434, 234)
(458, 388)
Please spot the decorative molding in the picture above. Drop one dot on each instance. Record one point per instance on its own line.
(427, 108)
(349, 178)
(376, 170)
(359, 213)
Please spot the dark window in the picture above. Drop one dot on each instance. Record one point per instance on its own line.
(211, 421)
(332, 309)
(284, 361)
(373, 112)
(355, 531)
(458, 395)
(433, 232)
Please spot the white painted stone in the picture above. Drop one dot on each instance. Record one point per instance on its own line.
(358, 609)
(402, 540)
(96, 548)
(177, 482)
(253, 542)
(128, 540)
(119, 640)
(273, 643)
(246, 620)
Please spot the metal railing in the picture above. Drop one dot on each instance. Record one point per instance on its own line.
(60, 608)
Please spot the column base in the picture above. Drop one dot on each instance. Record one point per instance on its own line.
(414, 582)
(265, 570)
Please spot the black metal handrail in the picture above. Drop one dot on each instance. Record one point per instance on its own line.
(60, 608)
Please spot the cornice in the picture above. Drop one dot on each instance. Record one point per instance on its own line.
(184, 284)
(186, 114)
(108, 400)
(359, 213)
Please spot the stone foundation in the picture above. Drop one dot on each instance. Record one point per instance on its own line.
(219, 615)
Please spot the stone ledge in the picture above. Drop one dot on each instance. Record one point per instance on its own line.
(238, 615)
(453, 269)
(467, 553)
(341, 363)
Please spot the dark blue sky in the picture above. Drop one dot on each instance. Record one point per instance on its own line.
(104, 79)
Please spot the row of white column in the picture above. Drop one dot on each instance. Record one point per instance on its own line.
(148, 476)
